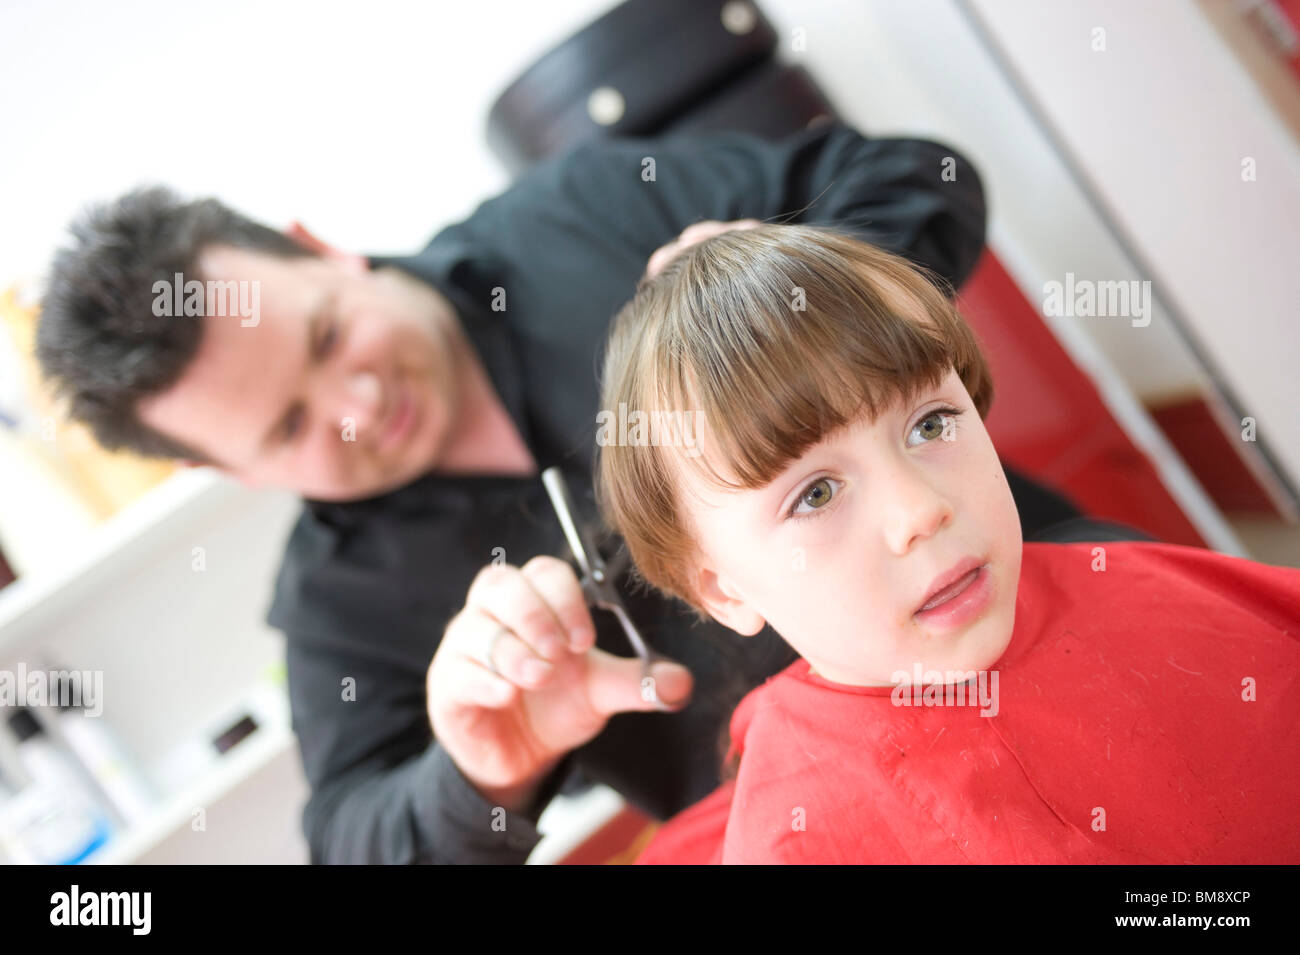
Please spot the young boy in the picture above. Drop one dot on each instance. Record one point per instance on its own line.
(962, 696)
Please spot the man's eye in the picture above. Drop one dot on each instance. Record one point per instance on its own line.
(815, 496)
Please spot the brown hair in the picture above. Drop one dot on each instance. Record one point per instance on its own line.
(779, 335)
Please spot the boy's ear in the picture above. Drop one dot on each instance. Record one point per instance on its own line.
(724, 602)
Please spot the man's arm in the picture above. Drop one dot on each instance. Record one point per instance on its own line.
(919, 198)
(382, 790)
(915, 197)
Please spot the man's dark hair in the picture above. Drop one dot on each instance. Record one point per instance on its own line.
(99, 342)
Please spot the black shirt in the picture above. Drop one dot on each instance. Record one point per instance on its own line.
(367, 587)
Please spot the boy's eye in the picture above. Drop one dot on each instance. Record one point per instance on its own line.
(815, 496)
(934, 424)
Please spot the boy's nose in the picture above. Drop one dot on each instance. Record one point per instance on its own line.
(917, 511)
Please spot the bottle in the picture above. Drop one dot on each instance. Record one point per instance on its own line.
(105, 759)
(11, 849)
(53, 819)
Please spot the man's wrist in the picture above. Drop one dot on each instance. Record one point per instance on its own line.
(462, 826)
(520, 797)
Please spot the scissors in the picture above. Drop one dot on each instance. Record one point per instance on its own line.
(598, 582)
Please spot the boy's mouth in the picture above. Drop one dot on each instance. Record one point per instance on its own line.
(948, 587)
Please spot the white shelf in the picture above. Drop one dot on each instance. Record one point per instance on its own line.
(182, 649)
(29, 604)
(237, 765)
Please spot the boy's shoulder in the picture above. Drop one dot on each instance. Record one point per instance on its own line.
(1086, 576)
(795, 707)
(1157, 554)
(1106, 594)
(1140, 551)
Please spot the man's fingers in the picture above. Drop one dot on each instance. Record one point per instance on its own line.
(691, 235)
(708, 228)
(513, 659)
(503, 592)
(557, 584)
(474, 636)
(701, 230)
(660, 257)
(477, 685)
(619, 684)
(459, 674)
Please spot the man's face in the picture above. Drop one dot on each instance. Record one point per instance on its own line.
(343, 389)
(881, 512)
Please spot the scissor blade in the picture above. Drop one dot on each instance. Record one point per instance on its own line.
(553, 479)
(633, 637)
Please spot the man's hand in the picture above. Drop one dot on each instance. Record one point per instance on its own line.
(689, 237)
(554, 689)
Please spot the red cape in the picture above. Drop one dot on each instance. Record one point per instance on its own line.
(1125, 732)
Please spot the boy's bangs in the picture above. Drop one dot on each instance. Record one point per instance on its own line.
(783, 383)
(749, 349)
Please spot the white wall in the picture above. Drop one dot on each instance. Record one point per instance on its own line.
(365, 120)
(1161, 121)
(918, 67)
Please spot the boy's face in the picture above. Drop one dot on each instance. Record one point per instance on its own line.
(883, 512)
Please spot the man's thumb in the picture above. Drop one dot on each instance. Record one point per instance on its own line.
(619, 684)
